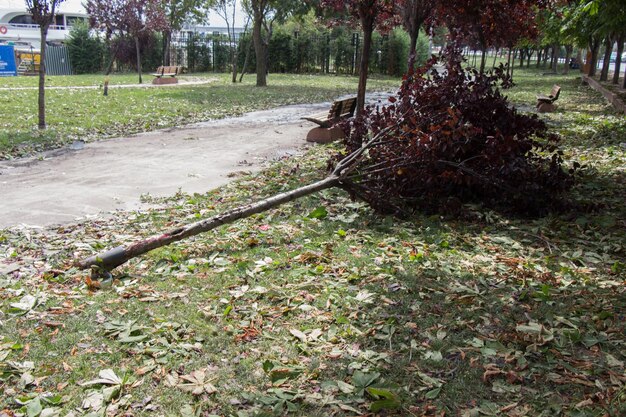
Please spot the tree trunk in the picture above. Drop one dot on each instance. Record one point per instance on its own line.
(539, 56)
(510, 63)
(138, 58)
(483, 59)
(259, 51)
(495, 58)
(113, 54)
(608, 48)
(121, 254)
(529, 56)
(521, 57)
(555, 56)
(413, 48)
(545, 56)
(595, 49)
(167, 42)
(618, 60)
(367, 24)
(245, 61)
(568, 57)
(42, 78)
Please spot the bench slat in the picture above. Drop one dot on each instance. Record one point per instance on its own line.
(338, 110)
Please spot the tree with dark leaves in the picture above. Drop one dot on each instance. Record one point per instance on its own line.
(43, 12)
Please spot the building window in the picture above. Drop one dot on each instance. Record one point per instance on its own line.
(23, 19)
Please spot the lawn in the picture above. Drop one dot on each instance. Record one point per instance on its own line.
(322, 307)
(85, 114)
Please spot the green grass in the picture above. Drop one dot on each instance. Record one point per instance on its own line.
(87, 115)
(292, 315)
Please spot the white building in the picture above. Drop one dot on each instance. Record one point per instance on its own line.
(17, 26)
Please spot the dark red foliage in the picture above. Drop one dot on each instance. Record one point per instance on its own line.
(455, 138)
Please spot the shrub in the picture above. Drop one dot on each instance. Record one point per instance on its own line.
(85, 50)
(455, 138)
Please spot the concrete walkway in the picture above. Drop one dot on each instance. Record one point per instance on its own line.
(147, 84)
(93, 178)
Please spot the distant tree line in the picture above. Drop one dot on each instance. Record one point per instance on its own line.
(313, 50)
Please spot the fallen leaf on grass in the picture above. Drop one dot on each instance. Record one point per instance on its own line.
(197, 383)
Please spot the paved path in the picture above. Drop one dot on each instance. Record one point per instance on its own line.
(147, 84)
(113, 174)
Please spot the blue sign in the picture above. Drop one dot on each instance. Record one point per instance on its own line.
(7, 61)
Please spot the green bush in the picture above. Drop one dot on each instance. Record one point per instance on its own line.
(86, 50)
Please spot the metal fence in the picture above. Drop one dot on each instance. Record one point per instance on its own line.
(58, 61)
(289, 53)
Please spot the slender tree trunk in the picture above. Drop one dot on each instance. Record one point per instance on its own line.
(618, 60)
(568, 57)
(42, 78)
(510, 63)
(121, 254)
(138, 50)
(521, 57)
(556, 51)
(529, 56)
(593, 63)
(113, 54)
(367, 24)
(608, 48)
(167, 44)
(259, 50)
(539, 56)
(413, 48)
(545, 56)
(483, 59)
(495, 58)
(245, 61)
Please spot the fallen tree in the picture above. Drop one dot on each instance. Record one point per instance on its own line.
(444, 136)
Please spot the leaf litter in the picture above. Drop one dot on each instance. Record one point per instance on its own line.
(322, 307)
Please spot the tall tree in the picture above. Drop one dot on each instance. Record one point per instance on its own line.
(177, 12)
(263, 14)
(369, 14)
(414, 14)
(132, 18)
(104, 15)
(43, 12)
(227, 10)
(141, 17)
(489, 23)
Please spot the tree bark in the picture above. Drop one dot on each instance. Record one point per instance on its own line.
(413, 48)
(618, 61)
(167, 42)
(568, 57)
(539, 56)
(245, 61)
(138, 50)
(121, 254)
(595, 48)
(41, 100)
(483, 59)
(259, 49)
(608, 48)
(367, 24)
(555, 57)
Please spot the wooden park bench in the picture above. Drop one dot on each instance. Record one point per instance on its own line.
(326, 130)
(162, 72)
(545, 104)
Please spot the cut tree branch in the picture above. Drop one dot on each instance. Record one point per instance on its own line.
(105, 262)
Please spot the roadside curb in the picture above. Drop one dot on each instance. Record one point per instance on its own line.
(610, 96)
